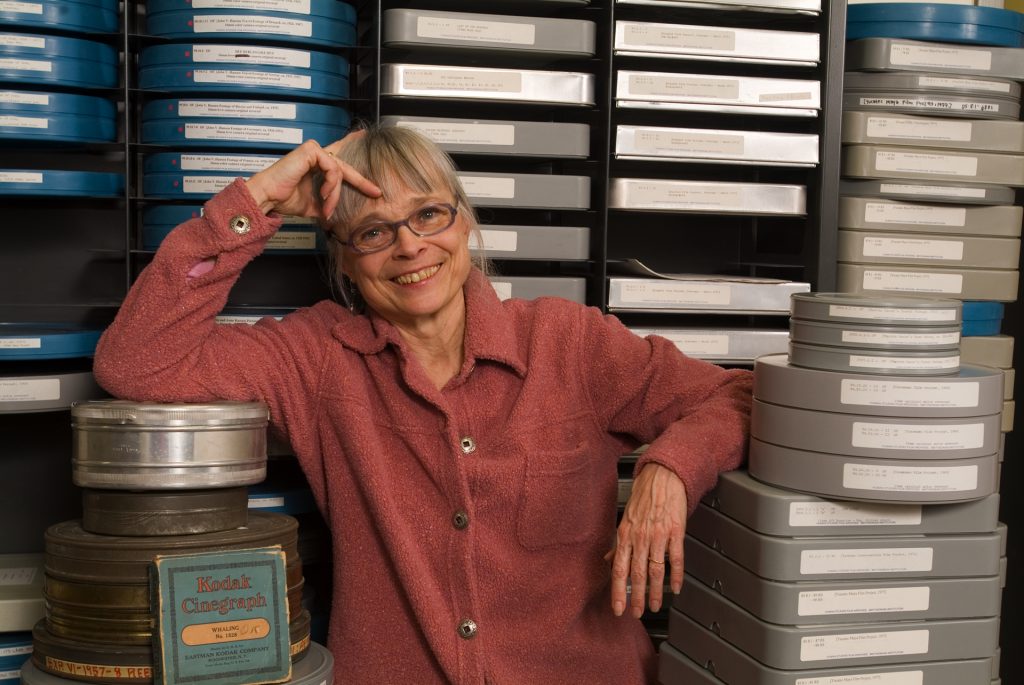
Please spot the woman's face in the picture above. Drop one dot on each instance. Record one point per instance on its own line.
(416, 279)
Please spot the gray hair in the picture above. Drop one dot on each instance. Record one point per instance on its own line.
(397, 159)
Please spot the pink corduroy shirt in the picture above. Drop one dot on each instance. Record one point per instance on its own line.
(491, 500)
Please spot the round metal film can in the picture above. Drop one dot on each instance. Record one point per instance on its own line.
(153, 446)
(874, 337)
(868, 479)
(942, 362)
(163, 512)
(880, 437)
(80, 556)
(875, 310)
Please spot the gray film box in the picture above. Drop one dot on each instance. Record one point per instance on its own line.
(938, 104)
(931, 83)
(540, 191)
(21, 592)
(962, 283)
(848, 601)
(897, 54)
(847, 556)
(881, 362)
(875, 214)
(702, 293)
(717, 92)
(511, 33)
(990, 350)
(487, 83)
(707, 197)
(812, 7)
(763, 148)
(779, 512)
(532, 287)
(874, 436)
(905, 313)
(533, 242)
(719, 43)
(500, 137)
(802, 646)
(928, 191)
(977, 252)
(872, 335)
(22, 393)
(889, 161)
(957, 134)
(736, 345)
(875, 479)
(975, 391)
(734, 667)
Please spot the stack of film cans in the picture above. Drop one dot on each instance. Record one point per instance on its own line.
(158, 479)
(863, 544)
(255, 77)
(57, 64)
(933, 152)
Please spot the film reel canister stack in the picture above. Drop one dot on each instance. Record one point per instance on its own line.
(864, 541)
(158, 479)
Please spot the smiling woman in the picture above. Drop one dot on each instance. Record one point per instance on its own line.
(464, 449)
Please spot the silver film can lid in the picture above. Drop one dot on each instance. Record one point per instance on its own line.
(139, 415)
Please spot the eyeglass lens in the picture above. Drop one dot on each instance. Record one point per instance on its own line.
(425, 221)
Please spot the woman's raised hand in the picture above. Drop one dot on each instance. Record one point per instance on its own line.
(288, 185)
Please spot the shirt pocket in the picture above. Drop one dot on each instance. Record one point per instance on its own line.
(566, 498)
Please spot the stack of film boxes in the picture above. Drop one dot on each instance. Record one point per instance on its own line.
(158, 479)
(933, 150)
(863, 545)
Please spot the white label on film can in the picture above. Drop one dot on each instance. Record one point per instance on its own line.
(923, 163)
(274, 134)
(910, 478)
(913, 282)
(489, 187)
(682, 37)
(497, 241)
(863, 601)
(21, 343)
(935, 191)
(676, 293)
(906, 55)
(908, 339)
(26, 390)
(251, 54)
(21, 7)
(891, 678)
(863, 645)
(446, 28)
(251, 23)
(685, 86)
(443, 132)
(865, 361)
(432, 79)
(880, 560)
(891, 313)
(918, 129)
(697, 345)
(24, 122)
(18, 575)
(882, 393)
(915, 215)
(847, 514)
(918, 436)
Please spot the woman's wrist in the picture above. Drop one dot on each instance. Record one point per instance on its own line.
(259, 195)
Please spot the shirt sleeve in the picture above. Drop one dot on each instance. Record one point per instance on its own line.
(165, 345)
(694, 415)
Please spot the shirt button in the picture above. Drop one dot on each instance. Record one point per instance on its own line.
(466, 628)
(239, 224)
(468, 445)
(460, 520)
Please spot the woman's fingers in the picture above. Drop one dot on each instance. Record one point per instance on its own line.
(649, 539)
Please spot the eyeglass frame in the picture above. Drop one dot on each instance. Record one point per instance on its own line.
(396, 225)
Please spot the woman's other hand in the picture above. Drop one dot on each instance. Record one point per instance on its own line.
(652, 529)
(287, 186)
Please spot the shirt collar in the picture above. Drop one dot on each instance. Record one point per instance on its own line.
(490, 333)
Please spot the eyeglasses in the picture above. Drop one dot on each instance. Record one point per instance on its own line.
(428, 220)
